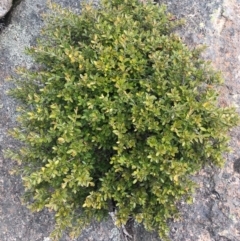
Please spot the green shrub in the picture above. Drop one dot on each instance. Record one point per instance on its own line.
(115, 115)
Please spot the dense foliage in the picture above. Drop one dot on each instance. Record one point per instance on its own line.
(115, 115)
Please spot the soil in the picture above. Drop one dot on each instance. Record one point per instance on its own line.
(215, 213)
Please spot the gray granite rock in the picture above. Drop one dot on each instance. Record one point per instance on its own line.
(5, 6)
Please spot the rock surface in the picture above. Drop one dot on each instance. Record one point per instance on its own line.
(5, 6)
(215, 214)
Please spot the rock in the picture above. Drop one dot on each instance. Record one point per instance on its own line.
(5, 6)
(215, 213)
